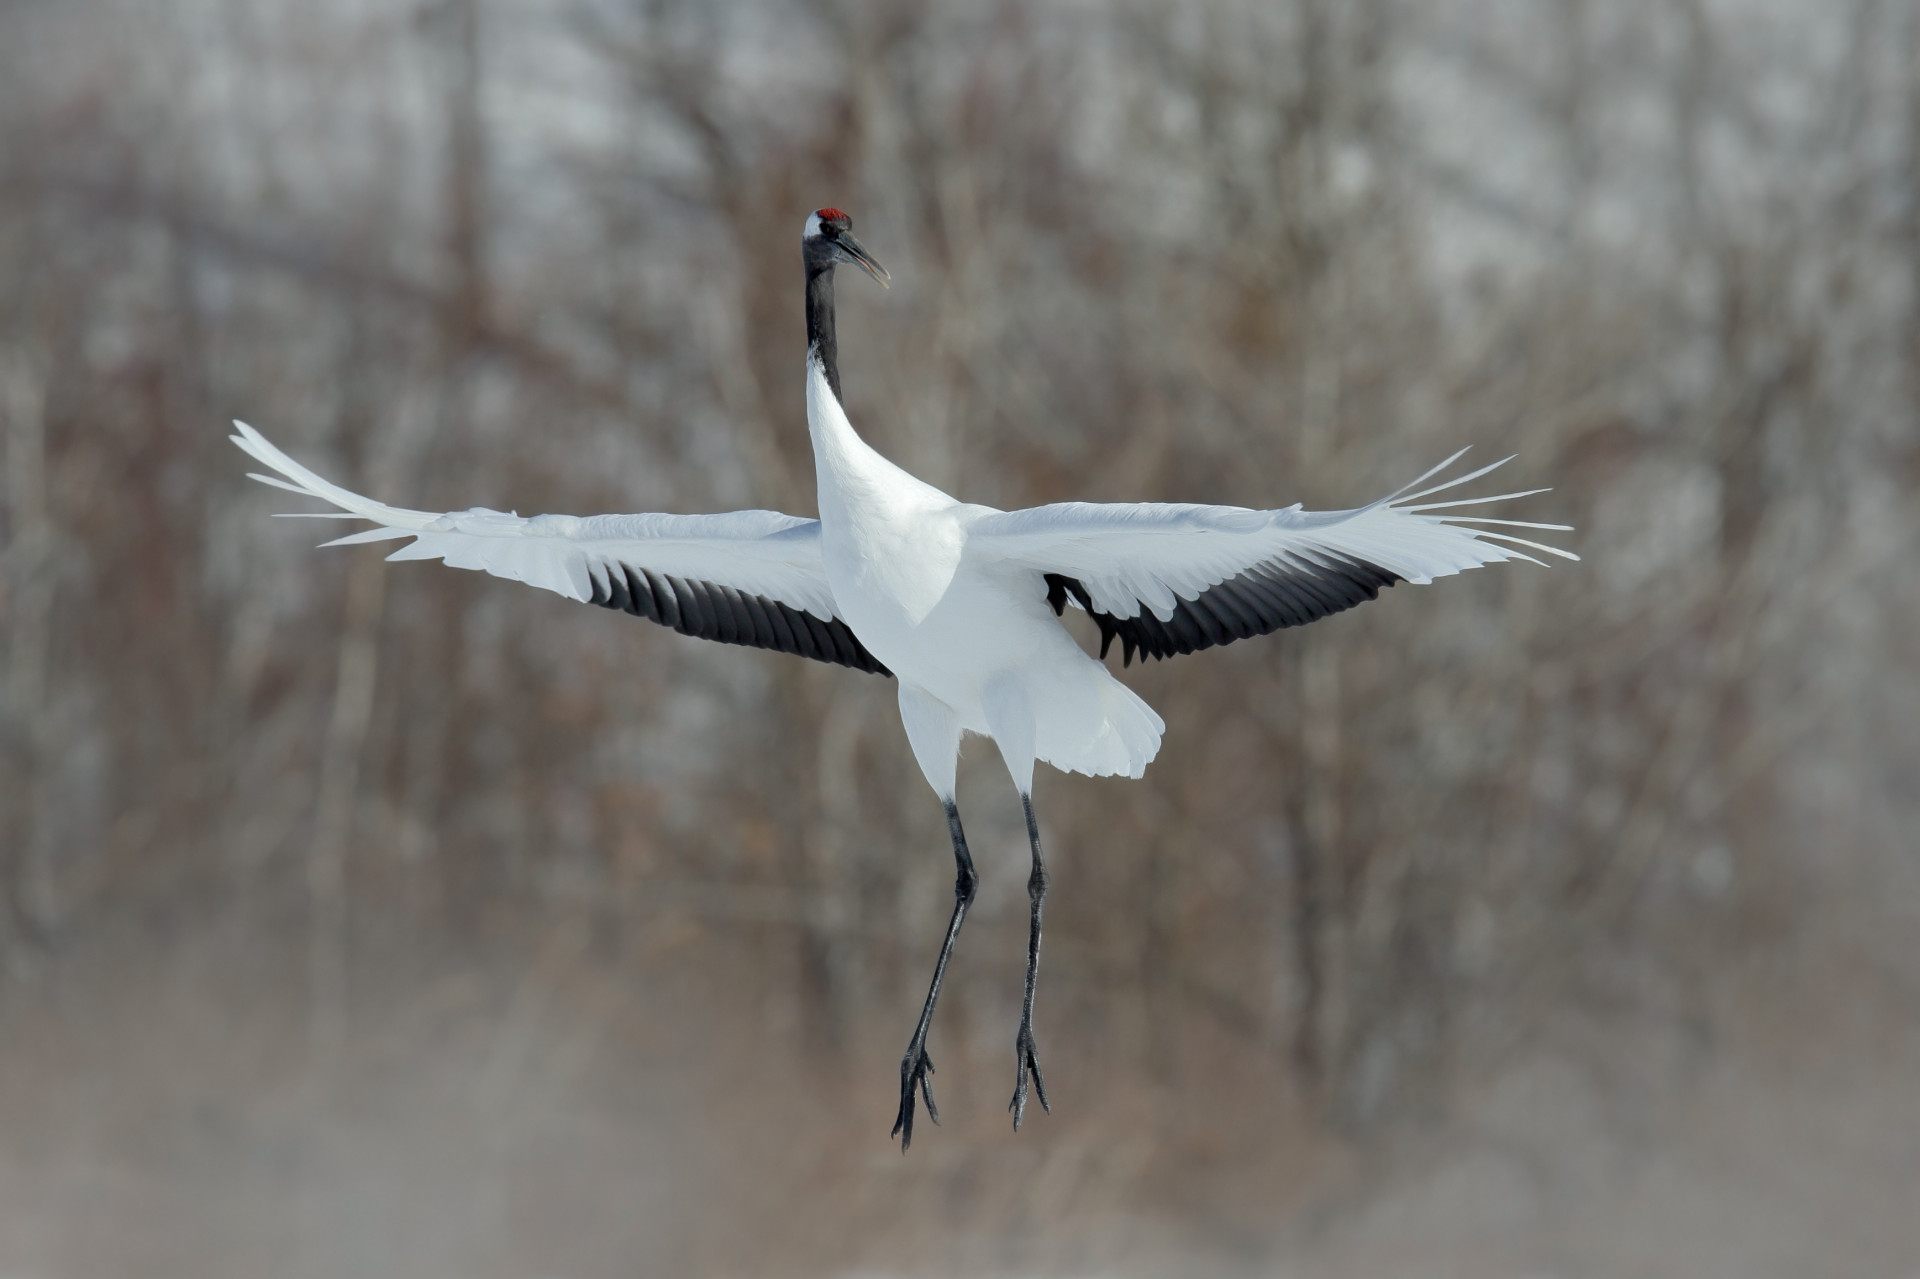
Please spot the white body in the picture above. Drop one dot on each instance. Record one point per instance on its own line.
(970, 637)
(951, 597)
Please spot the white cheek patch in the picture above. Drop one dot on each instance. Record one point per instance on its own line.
(813, 227)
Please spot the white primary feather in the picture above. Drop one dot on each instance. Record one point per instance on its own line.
(762, 553)
(1134, 555)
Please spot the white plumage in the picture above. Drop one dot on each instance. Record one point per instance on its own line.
(961, 603)
(765, 552)
(951, 596)
(1138, 554)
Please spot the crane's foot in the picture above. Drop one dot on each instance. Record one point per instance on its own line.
(1026, 1061)
(914, 1069)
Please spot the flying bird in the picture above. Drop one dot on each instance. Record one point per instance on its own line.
(961, 604)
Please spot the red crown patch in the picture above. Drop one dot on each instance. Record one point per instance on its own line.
(831, 214)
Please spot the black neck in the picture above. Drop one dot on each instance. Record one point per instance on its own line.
(820, 336)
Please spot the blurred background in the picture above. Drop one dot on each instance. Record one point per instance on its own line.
(370, 920)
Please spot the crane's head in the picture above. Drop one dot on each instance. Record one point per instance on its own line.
(828, 241)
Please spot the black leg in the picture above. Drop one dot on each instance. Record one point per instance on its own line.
(1025, 1058)
(916, 1065)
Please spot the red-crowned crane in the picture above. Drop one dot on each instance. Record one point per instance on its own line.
(960, 603)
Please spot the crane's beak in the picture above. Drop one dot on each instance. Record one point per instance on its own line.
(857, 254)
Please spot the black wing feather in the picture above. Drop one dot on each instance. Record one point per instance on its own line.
(1261, 600)
(707, 610)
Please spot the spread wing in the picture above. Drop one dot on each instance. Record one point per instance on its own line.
(743, 577)
(1166, 579)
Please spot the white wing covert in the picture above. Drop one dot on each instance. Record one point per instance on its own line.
(742, 577)
(1173, 578)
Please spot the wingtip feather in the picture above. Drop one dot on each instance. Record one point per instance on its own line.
(279, 483)
(1425, 475)
(1471, 501)
(1453, 483)
(1488, 535)
(379, 534)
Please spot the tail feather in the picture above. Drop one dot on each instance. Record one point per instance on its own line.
(1115, 734)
